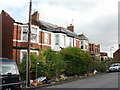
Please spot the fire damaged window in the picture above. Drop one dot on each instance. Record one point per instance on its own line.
(25, 33)
(34, 34)
(82, 47)
(82, 44)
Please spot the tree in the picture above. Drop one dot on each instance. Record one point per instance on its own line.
(33, 59)
(52, 63)
(78, 60)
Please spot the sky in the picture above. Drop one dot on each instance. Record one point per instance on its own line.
(96, 19)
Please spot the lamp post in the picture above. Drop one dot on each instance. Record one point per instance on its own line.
(18, 23)
(111, 51)
(36, 68)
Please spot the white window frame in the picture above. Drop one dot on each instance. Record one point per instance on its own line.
(21, 53)
(63, 40)
(35, 33)
(57, 40)
(37, 41)
(26, 34)
(46, 38)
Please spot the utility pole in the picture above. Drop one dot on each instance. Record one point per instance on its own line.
(28, 59)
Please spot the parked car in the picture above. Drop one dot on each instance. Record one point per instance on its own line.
(40, 80)
(9, 74)
(114, 67)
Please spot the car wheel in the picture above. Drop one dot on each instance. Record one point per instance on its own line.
(8, 88)
(109, 71)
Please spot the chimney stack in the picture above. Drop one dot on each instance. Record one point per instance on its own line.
(71, 28)
(35, 16)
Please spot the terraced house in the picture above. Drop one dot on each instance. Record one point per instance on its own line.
(43, 36)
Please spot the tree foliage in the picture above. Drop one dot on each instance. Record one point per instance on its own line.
(78, 61)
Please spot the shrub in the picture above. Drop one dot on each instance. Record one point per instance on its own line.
(78, 60)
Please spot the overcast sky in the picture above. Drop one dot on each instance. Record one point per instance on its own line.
(97, 19)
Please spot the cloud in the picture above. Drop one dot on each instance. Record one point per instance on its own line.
(96, 18)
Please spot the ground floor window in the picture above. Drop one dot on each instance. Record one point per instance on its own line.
(23, 54)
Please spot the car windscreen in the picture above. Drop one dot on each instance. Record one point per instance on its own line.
(113, 65)
(8, 68)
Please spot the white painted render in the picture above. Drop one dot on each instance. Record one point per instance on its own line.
(64, 40)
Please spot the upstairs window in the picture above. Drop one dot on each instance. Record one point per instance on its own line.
(56, 39)
(34, 34)
(46, 38)
(25, 33)
(82, 42)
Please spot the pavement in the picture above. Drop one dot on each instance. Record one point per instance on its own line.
(103, 81)
(71, 79)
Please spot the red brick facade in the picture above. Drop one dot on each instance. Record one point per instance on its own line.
(116, 55)
(11, 39)
(71, 28)
(78, 43)
(7, 35)
(95, 49)
(14, 45)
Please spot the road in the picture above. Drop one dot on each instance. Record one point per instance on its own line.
(109, 80)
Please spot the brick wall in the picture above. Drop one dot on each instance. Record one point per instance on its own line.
(77, 43)
(116, 55)
(18, 55)
(7, 35)
(15, 32)
(94, 48)
(49, 39)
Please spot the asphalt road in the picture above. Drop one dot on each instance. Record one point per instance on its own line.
(109, 80)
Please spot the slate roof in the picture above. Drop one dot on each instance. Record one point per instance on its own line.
(57, 29)
(82, 37)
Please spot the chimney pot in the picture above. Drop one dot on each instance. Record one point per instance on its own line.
(71, 28)
(35, 16)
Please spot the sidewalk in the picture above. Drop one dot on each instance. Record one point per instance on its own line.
(73, 78)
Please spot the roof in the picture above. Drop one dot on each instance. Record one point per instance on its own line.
(82, 37)
(57, 29)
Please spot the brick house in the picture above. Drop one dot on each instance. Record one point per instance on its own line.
(84, 42)
(94, 50)
(44, 35)
(7, 34)
(103, 56)
(116, 54)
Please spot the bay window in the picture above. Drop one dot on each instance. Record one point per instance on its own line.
(57, 39)
(46, 38)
